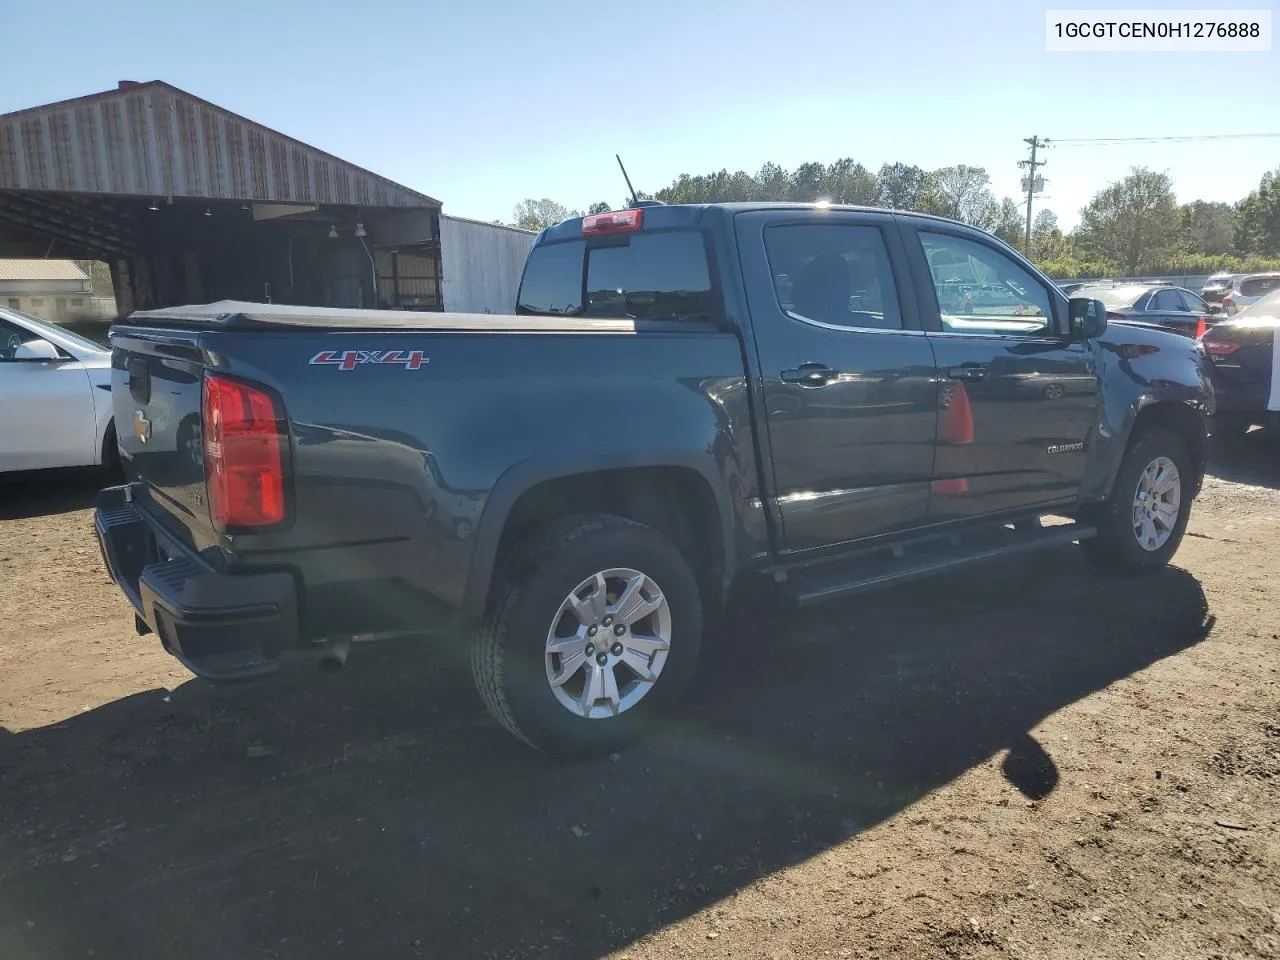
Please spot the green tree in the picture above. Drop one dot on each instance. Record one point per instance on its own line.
(1010, 224)
(719, 187)
(1258, 218)
(1132, 222)
(599, 207)
(850, 182)
(1207, 228)
(1045, 221)
(537, 214)
(900, 184)
(1047, 241)
(905, 187)
(773, 181)
(968, 197)
(808, 183)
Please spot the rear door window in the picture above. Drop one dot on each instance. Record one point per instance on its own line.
(1166, 301)
(650, 276)
(833, 274)
(1191, 303)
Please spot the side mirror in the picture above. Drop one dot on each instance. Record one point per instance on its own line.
(1088, 318)
(36, 350)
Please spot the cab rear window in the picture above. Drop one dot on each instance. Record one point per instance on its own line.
(552, 282)
(646, 276)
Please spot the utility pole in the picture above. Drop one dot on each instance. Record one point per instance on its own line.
(1031, 166)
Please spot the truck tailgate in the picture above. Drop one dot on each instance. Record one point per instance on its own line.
(156, 382)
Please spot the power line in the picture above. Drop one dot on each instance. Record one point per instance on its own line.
(1106, 141)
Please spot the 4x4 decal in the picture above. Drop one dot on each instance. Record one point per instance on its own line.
(350, 359)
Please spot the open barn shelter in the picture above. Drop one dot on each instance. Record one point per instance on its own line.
(190, 203)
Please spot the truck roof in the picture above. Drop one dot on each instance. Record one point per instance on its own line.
(240, 314)
(690, 215)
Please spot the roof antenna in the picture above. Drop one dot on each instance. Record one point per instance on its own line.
(634, 200)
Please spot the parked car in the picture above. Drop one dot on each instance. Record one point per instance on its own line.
(1244, 352)
(55, 401)
(659, 428)
(1160, 303)
(1215, 288)
(1249, 289)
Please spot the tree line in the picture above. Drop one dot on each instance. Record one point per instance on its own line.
(1135, 225)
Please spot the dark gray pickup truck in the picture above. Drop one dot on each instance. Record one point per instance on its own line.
(690, 403)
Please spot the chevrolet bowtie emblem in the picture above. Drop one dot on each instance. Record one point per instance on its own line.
(141, 427)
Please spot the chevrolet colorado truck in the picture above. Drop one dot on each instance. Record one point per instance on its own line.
(688, 402)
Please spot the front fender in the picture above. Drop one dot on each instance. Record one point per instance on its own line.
(1140, 369)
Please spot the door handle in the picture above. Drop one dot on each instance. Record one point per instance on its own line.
(810, 374)
(968, 372)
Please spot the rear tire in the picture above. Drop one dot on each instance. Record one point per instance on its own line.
(111, 451)
(591, 638)
(1143, 522)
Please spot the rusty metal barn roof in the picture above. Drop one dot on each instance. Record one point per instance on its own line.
(154, 140)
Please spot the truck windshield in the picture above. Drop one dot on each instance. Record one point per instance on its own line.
(649, 276)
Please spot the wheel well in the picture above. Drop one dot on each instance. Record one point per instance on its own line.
(1183, 420)
(108, 440)
(675, 501)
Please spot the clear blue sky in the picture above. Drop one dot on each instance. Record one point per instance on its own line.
(483, 103)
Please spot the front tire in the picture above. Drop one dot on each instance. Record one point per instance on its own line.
(1143, 522)
(591, 638)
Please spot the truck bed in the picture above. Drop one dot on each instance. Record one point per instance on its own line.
(242, 315)
(392, 463)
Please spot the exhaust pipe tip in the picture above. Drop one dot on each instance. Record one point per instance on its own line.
(333, 655)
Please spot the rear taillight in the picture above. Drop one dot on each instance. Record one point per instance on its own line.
(243, 454)
(1201, 326)
(1228, 304)
(1219, 348)
(620, 221)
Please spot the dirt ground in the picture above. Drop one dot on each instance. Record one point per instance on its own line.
(1021, 761)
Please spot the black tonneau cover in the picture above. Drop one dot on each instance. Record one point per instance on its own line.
(242, 315)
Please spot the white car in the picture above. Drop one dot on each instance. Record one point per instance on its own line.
(1248, 289)
(1217, 287)
(55, 397)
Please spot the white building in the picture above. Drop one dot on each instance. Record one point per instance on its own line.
(54, 290)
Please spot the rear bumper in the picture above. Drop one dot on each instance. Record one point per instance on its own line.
(221, 626)
(1234, 398)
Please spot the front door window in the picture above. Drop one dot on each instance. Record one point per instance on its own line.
(980, 290)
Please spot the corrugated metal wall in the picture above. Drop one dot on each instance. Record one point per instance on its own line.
(482, 265)
(409, 279)
(155, 140)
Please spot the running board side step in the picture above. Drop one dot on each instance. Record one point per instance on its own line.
(890, 566)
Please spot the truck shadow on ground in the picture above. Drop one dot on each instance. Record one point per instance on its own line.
(43, 493)
(379, 813)
(1253, 459)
